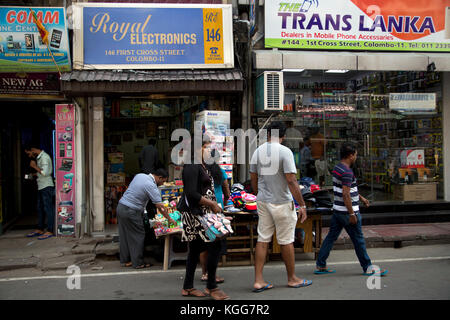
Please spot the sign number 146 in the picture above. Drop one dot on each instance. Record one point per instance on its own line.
(213, 35)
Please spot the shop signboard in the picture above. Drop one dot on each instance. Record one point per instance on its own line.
(412, 102)
(152, 36)
(21, 46)
(29, 83)
(65, 170)
(365, 25)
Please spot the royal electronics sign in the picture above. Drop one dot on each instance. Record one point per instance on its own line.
(401, 25)
(21, 46)
(145, 36)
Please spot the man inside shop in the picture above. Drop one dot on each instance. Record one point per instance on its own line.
(318, 152)
(148, 158)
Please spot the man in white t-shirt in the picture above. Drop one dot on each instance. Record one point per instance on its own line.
(273, 179)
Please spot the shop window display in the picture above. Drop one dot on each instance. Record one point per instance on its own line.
(399, 153)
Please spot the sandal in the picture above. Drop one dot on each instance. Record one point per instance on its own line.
(324, 271)
(381, 273)
(46, 236)
(148, 265)
(302, 284)
(218, 279)
(192, 292)
(34, 234)
(128, 264)
(217, 294)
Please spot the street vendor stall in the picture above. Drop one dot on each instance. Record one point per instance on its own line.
(312, 227)
(242, 241)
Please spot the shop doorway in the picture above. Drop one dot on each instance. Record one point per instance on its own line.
(132, 123)
(26, 122)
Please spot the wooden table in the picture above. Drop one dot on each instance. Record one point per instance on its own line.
(242, 219)
(312, 223)
(169, 254)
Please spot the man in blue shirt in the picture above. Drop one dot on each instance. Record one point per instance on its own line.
(143, 188)
(346, 214)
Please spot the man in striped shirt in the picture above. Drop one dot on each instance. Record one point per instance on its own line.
(346, 213)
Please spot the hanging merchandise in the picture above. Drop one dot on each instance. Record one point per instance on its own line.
(216, 225)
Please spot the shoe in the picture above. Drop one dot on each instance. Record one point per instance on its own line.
(46, 236)
(305, 283)
(266, 287)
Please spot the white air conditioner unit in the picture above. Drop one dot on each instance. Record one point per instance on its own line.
(269, 91)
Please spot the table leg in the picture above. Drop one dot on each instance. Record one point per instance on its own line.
(275, 246)
(308, 244)
(166, 252)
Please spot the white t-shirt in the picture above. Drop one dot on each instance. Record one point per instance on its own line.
(271, 161)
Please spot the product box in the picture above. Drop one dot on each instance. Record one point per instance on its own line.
(115, 178)
(166, 110)
(116, 157)
(157, 110)
(116, 168)
(175, 172)
(146, 109)
(412, 158)
(424, 174)
(416, 192)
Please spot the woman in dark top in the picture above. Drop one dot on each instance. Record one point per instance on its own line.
(200, 199)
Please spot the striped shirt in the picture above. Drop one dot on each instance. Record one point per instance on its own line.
(344, 176)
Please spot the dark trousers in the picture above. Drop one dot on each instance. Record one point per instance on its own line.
(194, 249)
(46, 208)
(131, 235)
(338, 222)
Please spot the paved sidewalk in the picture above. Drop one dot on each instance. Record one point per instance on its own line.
(18, 252)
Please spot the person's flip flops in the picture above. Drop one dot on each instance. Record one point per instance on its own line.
(144, 266)
(266, 287)
(45, 236)
(324, 271)
(373, 273)
(34, 234)
(304, 283)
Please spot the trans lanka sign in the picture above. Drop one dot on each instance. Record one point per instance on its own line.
(401, 25)
(144, 36)
(21, 46)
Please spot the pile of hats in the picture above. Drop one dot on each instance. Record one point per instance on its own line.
(241, 200)
(312, 192)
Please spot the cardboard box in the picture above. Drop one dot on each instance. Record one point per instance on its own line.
(115, 178)
(116, 168)
(116, 157)
(416, 192)
(422, 172)
(175, 172)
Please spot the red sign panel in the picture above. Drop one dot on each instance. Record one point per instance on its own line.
(65, 169)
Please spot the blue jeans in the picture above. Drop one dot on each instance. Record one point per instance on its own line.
(46, 208)
(340, 221)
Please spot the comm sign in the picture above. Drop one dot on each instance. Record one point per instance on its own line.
(382, 25)
(145, 36)
(21, 46)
